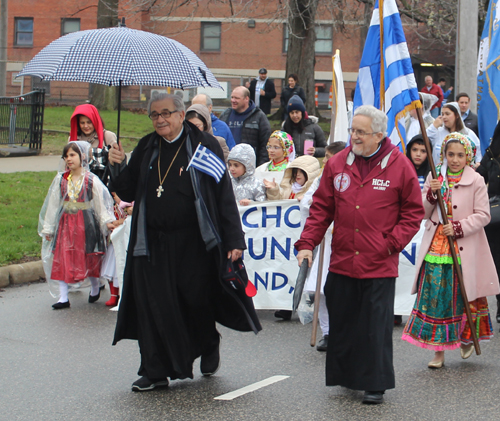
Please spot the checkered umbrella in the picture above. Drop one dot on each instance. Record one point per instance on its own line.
(120, 56)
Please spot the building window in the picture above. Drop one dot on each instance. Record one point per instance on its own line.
(210, 36)
(23, 36)
(323, 44)
(69, 25)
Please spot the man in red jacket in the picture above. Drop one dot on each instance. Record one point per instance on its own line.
(371, 191)
(433, 89)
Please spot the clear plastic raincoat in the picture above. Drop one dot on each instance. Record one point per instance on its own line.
(72, 223)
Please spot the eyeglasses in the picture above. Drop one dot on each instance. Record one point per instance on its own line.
(359, 133)
(273, 147)
(164, 114)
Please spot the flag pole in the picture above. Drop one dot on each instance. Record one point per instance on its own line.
(317, 293)
(331, 139)
(456, 265)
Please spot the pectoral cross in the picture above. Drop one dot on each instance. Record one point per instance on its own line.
(159, 191)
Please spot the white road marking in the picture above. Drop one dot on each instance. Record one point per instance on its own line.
(250, 388)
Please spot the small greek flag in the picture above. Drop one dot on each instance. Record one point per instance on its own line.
(206, 161)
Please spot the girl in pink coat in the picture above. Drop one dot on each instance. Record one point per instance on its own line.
(438, 320)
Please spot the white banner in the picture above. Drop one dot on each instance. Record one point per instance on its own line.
(404, 301)
(271, 229)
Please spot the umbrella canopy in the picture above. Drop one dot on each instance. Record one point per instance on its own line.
(120, 56)
(299, 283)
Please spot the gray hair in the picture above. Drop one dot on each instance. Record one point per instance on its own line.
(160, 96)
(208, 100)
(379, 119)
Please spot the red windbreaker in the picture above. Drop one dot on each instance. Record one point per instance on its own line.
(437, 91)
(373, 216)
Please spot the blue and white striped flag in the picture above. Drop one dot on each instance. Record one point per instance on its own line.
(206, 161)
(392, 71)
(488, 76)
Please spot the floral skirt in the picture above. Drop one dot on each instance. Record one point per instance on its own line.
(438, 320)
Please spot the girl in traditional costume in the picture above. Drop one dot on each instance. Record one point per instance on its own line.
(74, 221)
(438, 320)
(281, 151)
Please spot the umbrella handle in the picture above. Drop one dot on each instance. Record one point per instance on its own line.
(119, 109)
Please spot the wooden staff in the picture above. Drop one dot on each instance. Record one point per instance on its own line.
(317, 292)
(458, 269)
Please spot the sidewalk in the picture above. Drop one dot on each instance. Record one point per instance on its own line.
(30, 163)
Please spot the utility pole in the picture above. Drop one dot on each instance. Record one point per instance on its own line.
(3, 47)
(467, 50)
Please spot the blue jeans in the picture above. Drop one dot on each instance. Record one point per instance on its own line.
(435, 112)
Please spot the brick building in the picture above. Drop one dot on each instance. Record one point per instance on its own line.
(233, 44)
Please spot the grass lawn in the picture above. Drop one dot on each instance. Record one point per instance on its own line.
(21, 198)
(132, 125)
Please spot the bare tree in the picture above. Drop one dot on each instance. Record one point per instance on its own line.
(105, 97)
(432, 23)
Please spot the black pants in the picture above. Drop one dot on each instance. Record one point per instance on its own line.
(359, 354)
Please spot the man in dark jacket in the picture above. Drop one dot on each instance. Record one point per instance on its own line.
(372, 193)
(185, 227)
(248, 123)
(468, 117)
(262, 91)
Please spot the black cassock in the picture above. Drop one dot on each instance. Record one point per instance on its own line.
(361, 315)
(173, 297)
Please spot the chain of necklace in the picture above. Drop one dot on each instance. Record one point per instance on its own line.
(160, 188)
(74, 188)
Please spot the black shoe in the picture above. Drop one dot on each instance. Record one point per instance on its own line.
(144, 384)
(210, 362)
(283, 314)
(373, 398)
(102, 287)
(60, 306)
(323, 344)
(398, 320)
(498, 311)
(94, 298)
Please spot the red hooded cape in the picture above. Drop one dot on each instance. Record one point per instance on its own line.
(88, 110)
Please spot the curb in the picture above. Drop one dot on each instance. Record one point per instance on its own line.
(21, 273)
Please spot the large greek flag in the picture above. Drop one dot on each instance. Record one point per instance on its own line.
(206, 161)
(488, 76)
(386, 80)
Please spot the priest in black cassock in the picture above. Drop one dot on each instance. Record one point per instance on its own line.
(184, 226)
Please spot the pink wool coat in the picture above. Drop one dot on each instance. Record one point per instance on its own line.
(471, 210)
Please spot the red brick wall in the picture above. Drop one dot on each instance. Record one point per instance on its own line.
(244, 48)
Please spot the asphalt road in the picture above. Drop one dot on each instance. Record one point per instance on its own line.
(60, 365)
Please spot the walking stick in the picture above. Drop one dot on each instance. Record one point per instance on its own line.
(458, 269)
(317, 293)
